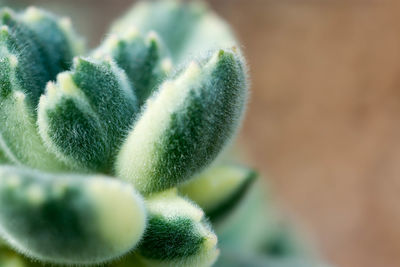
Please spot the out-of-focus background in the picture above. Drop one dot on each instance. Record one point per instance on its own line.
(323, 124)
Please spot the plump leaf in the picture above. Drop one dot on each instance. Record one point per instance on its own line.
(218, 189)
(186, 124)
(19, 140)
(85, 115)
(187, 27)
(25, 68)
(177, 233)
(144, 59)
(59, 41)
(43, 45)
(31, 73)
(68, 219)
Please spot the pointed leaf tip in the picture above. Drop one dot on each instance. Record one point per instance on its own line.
(141, 57)
(177, 233)
(186, 124)
(84, 116)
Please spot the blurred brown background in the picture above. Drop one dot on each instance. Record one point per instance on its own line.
(324, 119)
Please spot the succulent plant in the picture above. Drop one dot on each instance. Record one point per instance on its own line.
(109, 156)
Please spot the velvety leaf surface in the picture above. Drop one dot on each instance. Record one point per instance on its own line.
(84, 117)
(174, 21)
(188, 28)
(68, 219)
(177, 233)
(186, 124)
(144, 59)
(34, 46)
(59, 41)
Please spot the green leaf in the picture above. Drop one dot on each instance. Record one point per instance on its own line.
(31, 72)
(43, 45)
(19, 139)
(25, 68)
(144, 60)
(59, 41)
(84, 117)
(187, 27)
(177, 233)
(218, 189)
(69, 219)
(186, 124)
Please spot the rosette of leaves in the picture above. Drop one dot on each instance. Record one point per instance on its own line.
(105, 154)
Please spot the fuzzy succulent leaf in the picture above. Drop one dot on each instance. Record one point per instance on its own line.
(19, 140)
(177, 233)
(188, 28)
(186, 124)
(120, 111)
(59, 41)
(69, 219)
(42, 44)
(24, 72)
(30, 73)
(85, 115)
(144, 59)
(218, 189)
